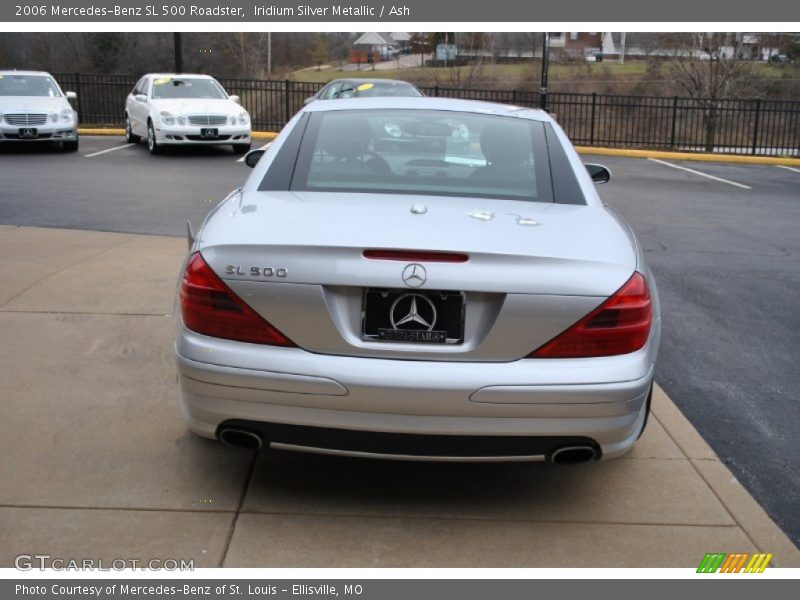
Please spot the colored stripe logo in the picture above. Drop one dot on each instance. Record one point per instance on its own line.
(738, 562)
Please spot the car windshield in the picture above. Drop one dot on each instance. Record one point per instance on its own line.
(427, 152)
(187, 87)
(377, 88)
(28, 85)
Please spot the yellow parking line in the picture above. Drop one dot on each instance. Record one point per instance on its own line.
(96, 131)
(705, 157)
(623, 152)
(271, 135)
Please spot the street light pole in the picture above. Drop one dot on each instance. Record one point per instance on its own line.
(269, 53)
(545, 60)
(178, 52)
(244, 56)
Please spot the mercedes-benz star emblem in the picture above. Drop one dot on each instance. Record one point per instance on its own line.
(418, 312)
(414, 275)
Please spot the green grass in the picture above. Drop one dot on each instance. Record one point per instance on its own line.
(634, 77)
(511, 73)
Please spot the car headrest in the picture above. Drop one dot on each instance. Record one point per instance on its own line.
(345, 136)
(506, 144)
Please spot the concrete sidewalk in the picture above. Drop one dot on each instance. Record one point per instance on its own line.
(97, 462)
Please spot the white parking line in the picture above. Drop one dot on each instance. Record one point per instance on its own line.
(788, 168)
(663, 162)
(264, 147)
(108, 150)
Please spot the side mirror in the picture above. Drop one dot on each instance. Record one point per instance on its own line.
(141, 98)
(251, 158)
(598, 173)
(235, 98)
(309, 100)
(190, 237)
(71, 95)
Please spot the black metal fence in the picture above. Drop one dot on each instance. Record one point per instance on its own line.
(754, 126)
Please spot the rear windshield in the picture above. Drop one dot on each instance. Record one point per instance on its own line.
(427, 152)
(28, 85)
(187, 87)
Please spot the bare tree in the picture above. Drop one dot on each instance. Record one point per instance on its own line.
(708, 68)
(647, 42)
(532, 41)
(321, 49)
(771, 44)
(422, 44)
(502, 43)
(478, 46)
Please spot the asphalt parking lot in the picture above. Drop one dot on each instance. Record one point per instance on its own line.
(725, 255)
(109, 185)
(721, 239)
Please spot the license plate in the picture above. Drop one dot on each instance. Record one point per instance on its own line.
(429, 317)
(209, 134)
(28, 132)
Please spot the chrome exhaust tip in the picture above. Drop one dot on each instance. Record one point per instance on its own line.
(570, 455)
(241, 438)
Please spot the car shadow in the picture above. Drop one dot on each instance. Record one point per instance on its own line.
(285, 481)
(178, 152)
(31, 148)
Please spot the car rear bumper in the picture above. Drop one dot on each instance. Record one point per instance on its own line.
(600, 400)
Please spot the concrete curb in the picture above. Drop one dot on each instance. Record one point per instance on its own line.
(699, 156)
(257, 135)
(98, 131)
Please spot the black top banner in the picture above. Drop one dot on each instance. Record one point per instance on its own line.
(447, 11)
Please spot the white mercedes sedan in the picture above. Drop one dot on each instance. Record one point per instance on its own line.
(176, 110)
(34, 109)
(419, 278)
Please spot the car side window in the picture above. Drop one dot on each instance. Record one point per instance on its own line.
(138, 87)
(141, 87)
(332, 91)
(346, 90)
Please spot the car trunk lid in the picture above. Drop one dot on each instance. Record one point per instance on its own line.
(532, 269)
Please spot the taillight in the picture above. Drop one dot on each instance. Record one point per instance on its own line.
(210, 307)
(416, 256)
(618, 326)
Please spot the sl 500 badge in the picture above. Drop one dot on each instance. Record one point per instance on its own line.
(256, 271)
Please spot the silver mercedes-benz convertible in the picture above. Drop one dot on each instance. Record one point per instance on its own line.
(419, 278)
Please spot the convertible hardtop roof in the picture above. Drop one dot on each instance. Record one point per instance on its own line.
(16, 72)
(179, 75)
(425, 103)
(372, 80)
